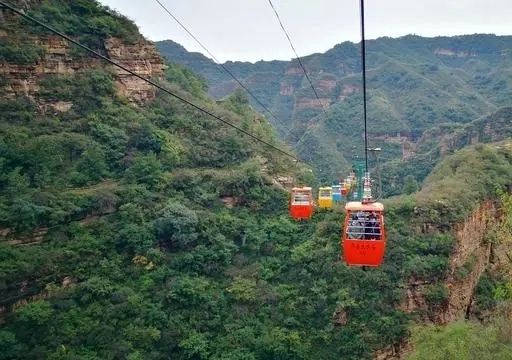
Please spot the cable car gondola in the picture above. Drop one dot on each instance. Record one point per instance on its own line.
(344, 189)
(349, 184)
(325, 197)
(336, 193)
(364, 235)
(301, 203)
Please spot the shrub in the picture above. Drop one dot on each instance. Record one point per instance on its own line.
(437, 295)
(177, 226)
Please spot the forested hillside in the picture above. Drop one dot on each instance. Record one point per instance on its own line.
(135, 227)
(405, 175)
(414, 84)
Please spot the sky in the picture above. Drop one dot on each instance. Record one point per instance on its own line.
(247, 30)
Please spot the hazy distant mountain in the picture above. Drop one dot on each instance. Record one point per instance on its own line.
(414, 83)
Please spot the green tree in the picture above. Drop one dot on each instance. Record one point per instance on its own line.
(9, 345)
(176, 227)
(90, 168)
(410, 185)
(147, 170)
(195, 346)
(36, 313)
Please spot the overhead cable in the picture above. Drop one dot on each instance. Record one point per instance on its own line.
(149, 81)
(225, 68)
(297, 56)
(363, 64)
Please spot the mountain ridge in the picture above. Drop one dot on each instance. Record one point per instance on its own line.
(414, 83)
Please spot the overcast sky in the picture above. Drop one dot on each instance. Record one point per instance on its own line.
(248, 29)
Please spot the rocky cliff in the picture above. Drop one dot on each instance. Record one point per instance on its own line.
(52, 55)
(473, 253)
(447, 138)
(467, 263)
(143, 59)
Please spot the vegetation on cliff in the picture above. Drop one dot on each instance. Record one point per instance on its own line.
(463, 340)
(440, 141)
(149, 232)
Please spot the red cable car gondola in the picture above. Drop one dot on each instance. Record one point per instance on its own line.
(344, 189)
(301, 203)
(364, 234)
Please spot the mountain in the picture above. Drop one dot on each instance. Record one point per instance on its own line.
(421, 156)
(133, 226)
(414, 83)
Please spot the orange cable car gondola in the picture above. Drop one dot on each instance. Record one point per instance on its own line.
(364, 233)
(301, 203)
(344, 189)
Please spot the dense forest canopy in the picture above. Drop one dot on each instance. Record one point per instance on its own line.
(147, 230)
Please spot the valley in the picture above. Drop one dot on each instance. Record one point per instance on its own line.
(135, 226)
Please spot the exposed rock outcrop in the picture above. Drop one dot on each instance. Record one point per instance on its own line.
(143, 59)
(393, 352)
(327, 85)
(306, 103)
(408, 149)
(59, 58)
(294, 70)
(284, 182)
(453, 53)
(493, 128)
(347, 90)
(472, 255)
(468, 262)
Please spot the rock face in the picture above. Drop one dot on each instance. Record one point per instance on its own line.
(468, 262)
(492, 128)
(327, 85)
(59, 58)
(307, 103)
(23, 78)
(453, 53)
(141, 58)
(472, 254)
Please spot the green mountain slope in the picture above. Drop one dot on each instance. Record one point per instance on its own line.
(440, 141)
(414, 84)
(133, 227)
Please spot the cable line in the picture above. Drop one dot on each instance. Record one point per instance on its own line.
(219, 62)
(363, 64)
(149, 81)
(297, 55)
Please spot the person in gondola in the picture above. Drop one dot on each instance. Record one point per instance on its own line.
(368, 228)
(355, 228)
(375, 226)
(371, 226)
(377, 230)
